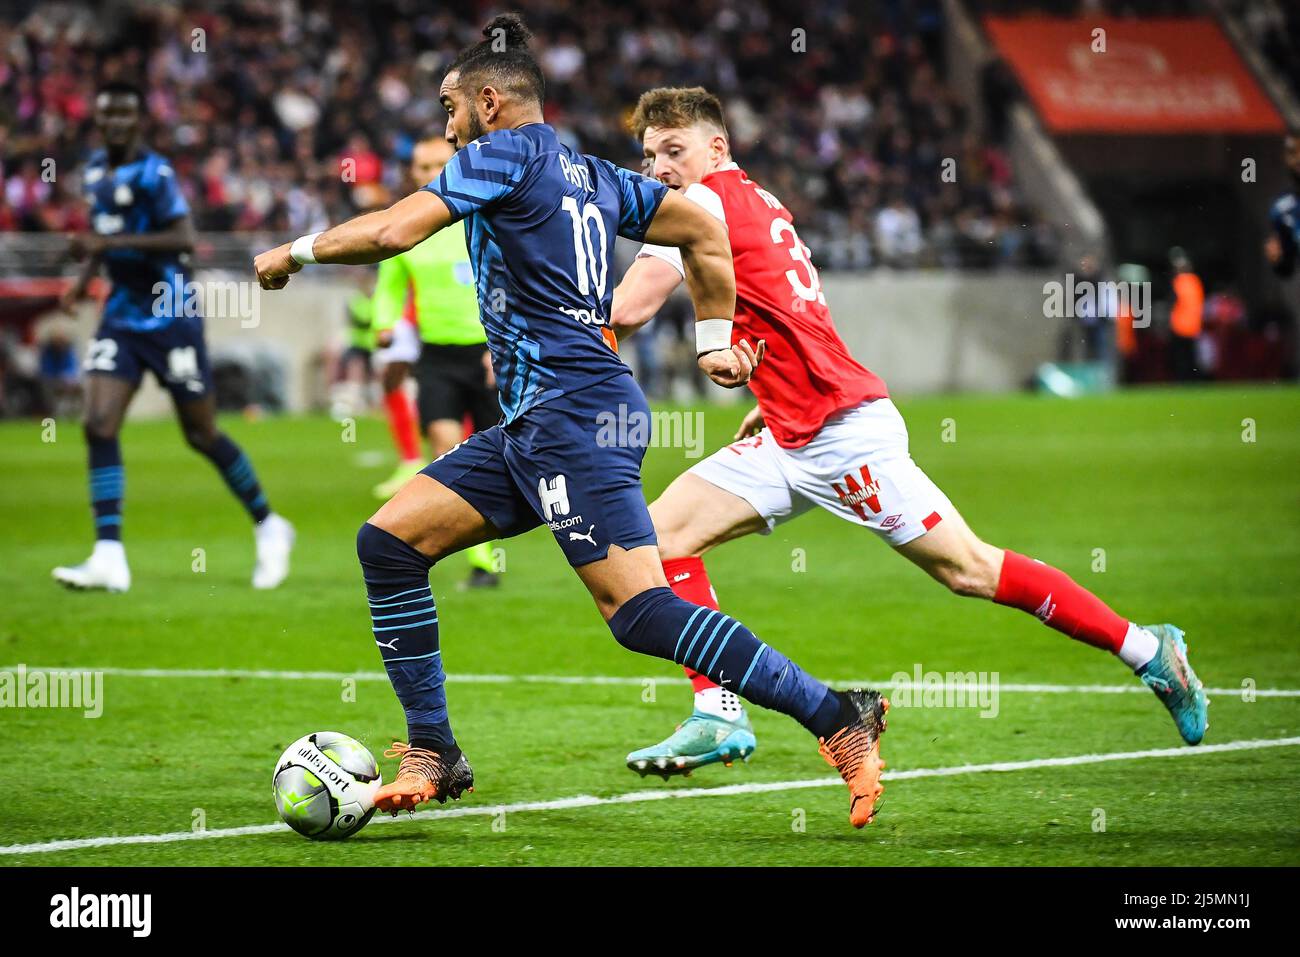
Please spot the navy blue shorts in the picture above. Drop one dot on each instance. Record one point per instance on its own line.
(176, 354)
(572, 464)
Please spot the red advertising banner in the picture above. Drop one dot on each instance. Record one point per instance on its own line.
(1151, 76)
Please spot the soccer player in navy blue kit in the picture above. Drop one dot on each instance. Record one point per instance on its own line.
(141, 236)
(540, 225)
(1283, 246)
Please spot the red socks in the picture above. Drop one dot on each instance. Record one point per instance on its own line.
(1055, 599)
(1047, 593)
(401, 421)
(690, 582)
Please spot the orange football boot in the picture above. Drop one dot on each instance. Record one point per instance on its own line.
(423, 775)
(855, 752)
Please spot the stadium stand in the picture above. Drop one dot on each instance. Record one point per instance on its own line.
(261, 105)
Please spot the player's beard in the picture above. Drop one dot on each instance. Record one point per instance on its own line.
(476, 127)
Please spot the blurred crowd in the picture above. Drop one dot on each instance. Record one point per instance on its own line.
(1090, 8)
(1274, 27)
(285, 115)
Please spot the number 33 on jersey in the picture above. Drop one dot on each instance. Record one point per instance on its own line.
(809, 373)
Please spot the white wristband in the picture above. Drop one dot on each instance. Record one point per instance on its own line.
(301, 252)
(712, 335)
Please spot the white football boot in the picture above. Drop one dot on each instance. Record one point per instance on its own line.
(106, 568)
(274, 542)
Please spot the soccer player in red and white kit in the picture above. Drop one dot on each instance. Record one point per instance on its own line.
(825, 433)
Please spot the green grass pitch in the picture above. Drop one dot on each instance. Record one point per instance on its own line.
(1196, 525)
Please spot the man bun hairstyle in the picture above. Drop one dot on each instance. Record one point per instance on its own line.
(676, 107)
(503, 60)
(510, 28)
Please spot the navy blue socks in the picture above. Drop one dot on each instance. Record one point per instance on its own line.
(107, 481)
(239, 475)
(657, 622)
(405, 624)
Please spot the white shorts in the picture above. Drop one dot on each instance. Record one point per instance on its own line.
(857, 467)
(405, 346)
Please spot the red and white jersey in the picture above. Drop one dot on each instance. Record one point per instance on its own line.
(808, 373)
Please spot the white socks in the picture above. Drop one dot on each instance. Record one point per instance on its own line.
(1139, 647)
(720, 703)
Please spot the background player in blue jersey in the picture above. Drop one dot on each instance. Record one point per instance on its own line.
(540, 224)
(141, 236)
(1283, 246)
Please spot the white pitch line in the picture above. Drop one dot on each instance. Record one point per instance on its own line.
(256, 673)
(663, 794)
(490, 679)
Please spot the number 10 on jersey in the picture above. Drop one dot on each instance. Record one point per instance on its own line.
(588, 246)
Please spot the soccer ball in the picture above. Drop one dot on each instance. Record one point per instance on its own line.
(325, 786)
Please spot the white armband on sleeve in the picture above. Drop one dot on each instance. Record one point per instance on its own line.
(703, 196)
(669, 254)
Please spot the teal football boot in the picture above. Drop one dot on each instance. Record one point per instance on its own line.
(1171, 677)
(699, 740)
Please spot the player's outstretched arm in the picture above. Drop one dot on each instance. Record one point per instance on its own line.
(711, 280)
(369, 238)
(706, 254)
(645, 287)
(176, 237)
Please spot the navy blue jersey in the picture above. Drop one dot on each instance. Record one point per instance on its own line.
(1284, 214)
(540, 224)
(141, 196)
